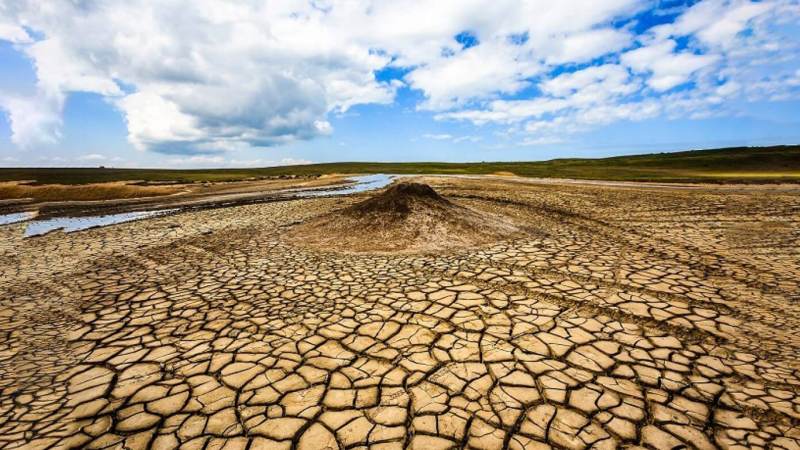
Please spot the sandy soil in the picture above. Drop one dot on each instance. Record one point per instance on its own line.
(623, 317)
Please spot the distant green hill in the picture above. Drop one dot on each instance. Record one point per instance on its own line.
(740, 164)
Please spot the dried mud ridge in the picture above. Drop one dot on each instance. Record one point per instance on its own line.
(407, 217)
(626, 319)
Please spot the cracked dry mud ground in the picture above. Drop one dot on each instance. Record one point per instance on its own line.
(625, 318)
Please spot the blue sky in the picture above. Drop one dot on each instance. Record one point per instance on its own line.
(252, 83)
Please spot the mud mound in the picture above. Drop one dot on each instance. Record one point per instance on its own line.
(407, 217)
(400, 200)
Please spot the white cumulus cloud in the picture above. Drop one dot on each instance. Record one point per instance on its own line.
(668, 67)
(203, 77)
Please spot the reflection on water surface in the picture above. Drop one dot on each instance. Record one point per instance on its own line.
(68, 224)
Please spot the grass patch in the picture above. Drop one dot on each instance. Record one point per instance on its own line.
(741, 164)
(82, 192)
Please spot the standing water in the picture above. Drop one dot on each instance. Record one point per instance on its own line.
(360, 183)
(70, 224)
(6, 219)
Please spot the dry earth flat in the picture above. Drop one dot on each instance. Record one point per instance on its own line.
(635, 317)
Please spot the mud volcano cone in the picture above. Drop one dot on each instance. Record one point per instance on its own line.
(407, 217)
(401, 200)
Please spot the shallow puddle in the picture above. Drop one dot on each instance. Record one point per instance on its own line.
(70, 224)
(360, 183)
(6, 219)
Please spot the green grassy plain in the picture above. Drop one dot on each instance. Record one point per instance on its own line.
(728, 165)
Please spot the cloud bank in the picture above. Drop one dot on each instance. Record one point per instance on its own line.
(203, 76)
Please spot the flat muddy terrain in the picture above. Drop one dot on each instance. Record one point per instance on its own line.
(602, 315)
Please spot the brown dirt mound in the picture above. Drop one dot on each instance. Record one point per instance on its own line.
(407, 217)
